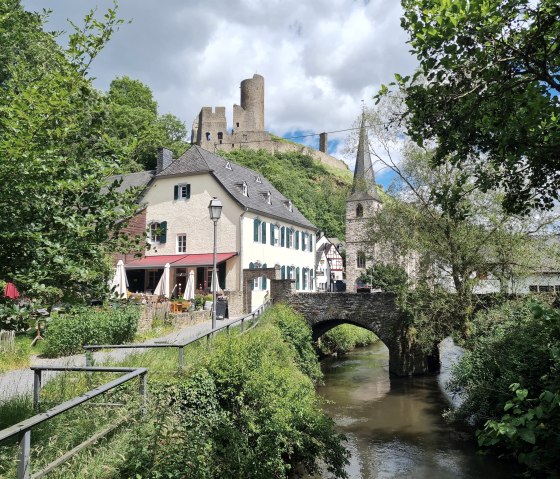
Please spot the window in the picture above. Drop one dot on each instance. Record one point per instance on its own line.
(534, 288)
(257, 230)
(289, 205)
(208, 136)
(361, 260)
(359, 211)
(237, 124)
(274, 234)
(158, 232)
(244, 189)
(258, 179)
(181, 243)
(153, 277)
(182, 192)
(304, 278)
(290, 238)
(297, 277)
(228, 165)
(220, 135)
(268, 197)
(303, 241)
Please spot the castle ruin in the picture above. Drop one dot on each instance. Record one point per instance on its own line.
(210, 129)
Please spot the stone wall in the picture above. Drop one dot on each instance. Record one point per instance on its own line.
(235, 303)
(376, 312)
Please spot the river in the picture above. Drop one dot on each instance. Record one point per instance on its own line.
(395, 427)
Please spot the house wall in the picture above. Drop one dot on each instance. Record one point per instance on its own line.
(136, 227)
(191, 217)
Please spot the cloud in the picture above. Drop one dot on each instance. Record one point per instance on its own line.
(319, 59)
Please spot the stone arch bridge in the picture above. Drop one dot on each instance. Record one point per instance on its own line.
(375, 312)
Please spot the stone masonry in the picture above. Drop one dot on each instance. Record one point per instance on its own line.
(375, 312)
(210, 130)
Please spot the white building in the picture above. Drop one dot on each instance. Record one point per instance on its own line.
(258, 228)
(329, 263)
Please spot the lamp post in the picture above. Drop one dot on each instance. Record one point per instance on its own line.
(215, 210)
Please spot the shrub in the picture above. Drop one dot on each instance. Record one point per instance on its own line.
(245, 410)
(516, 351)
(344, 338)
(112, 325)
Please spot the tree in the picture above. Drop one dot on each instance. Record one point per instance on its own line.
(134, 128)
(489, 95)
(57, 223)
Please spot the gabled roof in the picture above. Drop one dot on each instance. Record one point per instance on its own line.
(132, 180)
(198, 160)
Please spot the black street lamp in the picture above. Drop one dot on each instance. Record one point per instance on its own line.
(215, 210)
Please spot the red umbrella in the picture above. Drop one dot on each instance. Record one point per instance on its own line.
(10, 291)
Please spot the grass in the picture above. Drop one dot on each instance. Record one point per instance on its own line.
(20, 357)
(62, 433)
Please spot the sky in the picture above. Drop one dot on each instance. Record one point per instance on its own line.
(319, 58)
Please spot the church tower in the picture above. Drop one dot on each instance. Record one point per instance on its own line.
(361, 205)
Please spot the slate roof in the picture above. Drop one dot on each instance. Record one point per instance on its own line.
(198, 160)
(132, 180)
(364, 186)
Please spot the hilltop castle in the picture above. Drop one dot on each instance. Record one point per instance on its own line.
(210, 130)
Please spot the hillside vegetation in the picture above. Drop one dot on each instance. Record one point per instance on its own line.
(317, 191)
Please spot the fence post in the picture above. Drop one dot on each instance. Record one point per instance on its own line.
(36, 387)
(24, 467)
(242, 323)
(143, 392)
(181, 354)
(227, 329)
(89, 358)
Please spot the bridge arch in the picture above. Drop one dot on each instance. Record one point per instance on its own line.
(375, 312)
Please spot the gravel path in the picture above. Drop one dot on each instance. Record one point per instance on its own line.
(20, 382)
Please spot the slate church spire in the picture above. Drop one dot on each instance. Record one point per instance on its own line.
(364, 186)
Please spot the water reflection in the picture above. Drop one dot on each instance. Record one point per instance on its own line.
(394, 425)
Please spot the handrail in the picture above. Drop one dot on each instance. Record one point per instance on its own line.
(180, 346)
(23, 428)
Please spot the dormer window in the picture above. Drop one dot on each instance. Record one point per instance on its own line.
(244, 189)
(289, 205)
(228, 165)
(258, 179)
(267, 196)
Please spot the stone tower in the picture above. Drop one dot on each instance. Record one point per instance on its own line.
(250, 115)
(361, 205)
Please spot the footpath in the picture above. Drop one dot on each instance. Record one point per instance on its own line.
(20, 382)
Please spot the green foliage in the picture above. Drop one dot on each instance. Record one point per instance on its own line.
(134, 128)
(245, 409)
(344, 338)
(515, 348)
(388, 277)
(112, 325)
(319, 193)
(56, 225)
(528, 430)
(492, 77)
(297, 332)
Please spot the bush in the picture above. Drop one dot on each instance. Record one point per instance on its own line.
(344, 338)
(511, 379)
(112, 325)
(245, 410)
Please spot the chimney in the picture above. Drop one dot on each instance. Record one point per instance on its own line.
(164, 159)
(324, 142)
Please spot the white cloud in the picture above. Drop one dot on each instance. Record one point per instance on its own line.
(319, 59)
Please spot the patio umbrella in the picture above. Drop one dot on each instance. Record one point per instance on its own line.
(10, 291)
(215, 278)
(189, 288)
(119, 284)
(162, 288)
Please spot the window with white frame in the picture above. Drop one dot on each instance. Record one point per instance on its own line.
(157, 231)
(181, 243)
(245, 189)
(276, 235)
(290, 239)
(182, 192)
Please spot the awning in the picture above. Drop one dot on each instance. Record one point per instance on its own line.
(178, 260)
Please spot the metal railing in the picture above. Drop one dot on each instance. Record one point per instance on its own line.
(253, 317)
(23, 429)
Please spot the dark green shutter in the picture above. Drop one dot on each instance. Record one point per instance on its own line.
(256, 225)
(264, 279)
(288, 236)
(271, 234)
(311, 243)
(304, 277)
(297, 239)
(297, 277)
(282, 236)
(263, 226)
(163, 232)
(252, 266)
(176, 192)
(283, 272)
(188, 191)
